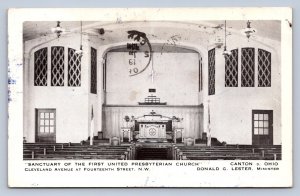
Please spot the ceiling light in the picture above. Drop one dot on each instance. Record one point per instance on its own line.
(80, 51)
(58, 30)
(248, 31)
(226, 52)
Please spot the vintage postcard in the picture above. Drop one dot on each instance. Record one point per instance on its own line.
(150, 97)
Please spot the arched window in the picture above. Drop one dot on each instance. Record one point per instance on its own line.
(57, 65)
(200, 75)
(264, 68)
(248, 67)
(40, 67)
(211, 72)
(231, 69)
(93, 71)
(74, 68)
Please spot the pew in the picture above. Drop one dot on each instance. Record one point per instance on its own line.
(228, 152)
(37, 151)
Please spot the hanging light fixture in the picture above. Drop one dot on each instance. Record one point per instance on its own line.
(80, 51)
(58, 30)
(248, 31)
(226, 52)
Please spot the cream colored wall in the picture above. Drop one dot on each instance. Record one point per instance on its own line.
(112, 116)
(231, 107)
(95, 100)
(191, 115)
(176, 80)
(71, 103)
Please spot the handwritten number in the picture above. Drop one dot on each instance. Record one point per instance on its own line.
(131, 61)
(134, 70)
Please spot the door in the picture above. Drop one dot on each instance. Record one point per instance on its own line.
(262, 127)
(45, 125)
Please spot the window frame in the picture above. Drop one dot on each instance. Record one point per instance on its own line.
(58, 66)
(243, 67)
(229, 65)
(260, 65)
(93, 71)
(200, 74)
(72, 83)
(37, 66)
(211, 71)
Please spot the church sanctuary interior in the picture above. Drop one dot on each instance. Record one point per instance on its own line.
(152, 90)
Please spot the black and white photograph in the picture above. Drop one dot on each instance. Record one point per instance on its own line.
(141, 88)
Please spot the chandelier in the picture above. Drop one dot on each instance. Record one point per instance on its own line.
(58, 30)
(248, 31)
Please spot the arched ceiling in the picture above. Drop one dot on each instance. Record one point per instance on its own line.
(204, 32)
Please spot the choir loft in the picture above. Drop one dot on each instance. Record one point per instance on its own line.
(152, 90)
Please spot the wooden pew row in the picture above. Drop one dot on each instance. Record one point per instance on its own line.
(108, 154)
(256, 156)
(69, 144)
(252, 146)
(232, 151)
(33, 155)
(240, 157)
(74, 149)
(45, 151)
(53, 150)
(70, 151)
(230, 157)
(268, 148)
(246, 146)
(210, 153)
(215, 151)
(55, 147)
(62, 157)
(269, 156)
(229, 148)
(51, 144)
(77, 152)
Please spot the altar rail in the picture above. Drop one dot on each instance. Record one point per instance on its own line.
(192, 123)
